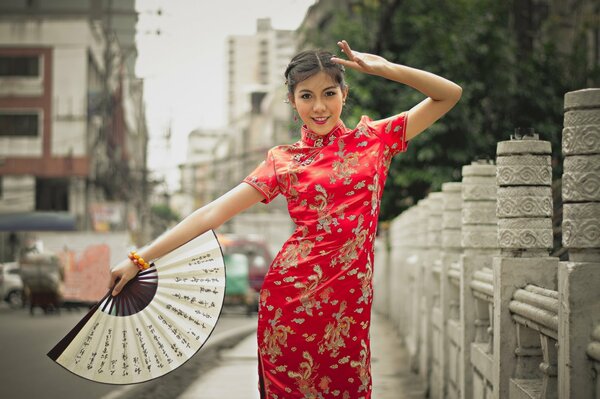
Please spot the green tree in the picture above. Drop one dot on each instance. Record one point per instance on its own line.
(512, 74)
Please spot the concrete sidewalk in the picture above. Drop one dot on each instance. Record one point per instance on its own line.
(237, 375)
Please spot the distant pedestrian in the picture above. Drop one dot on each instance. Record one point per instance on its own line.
(315, 303)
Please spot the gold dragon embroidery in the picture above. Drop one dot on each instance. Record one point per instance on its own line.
(275, 337)
(305, 379)
(333, 339)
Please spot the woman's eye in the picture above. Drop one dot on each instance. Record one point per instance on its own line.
(305, 96)
(330, 93)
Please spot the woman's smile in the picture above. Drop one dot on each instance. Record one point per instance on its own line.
(319, 101)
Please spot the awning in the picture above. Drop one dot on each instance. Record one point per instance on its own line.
(37, 221)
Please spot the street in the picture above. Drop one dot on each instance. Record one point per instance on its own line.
(26, 371)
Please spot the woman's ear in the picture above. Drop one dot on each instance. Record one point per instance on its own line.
(344, 93)
(291, 100)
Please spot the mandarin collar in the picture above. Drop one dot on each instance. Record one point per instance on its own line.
(312, 139)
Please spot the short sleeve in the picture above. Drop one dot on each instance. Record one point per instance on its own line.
(264, 179)
(392, 131)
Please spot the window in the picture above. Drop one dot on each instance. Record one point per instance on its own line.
(20, 66)
(19, 124)
(51, 194)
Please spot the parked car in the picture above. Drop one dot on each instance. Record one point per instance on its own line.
(247, 261)
(11, 284)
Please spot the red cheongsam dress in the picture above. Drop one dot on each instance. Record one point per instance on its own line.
(315, 303)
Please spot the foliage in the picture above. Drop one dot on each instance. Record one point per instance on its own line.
(512, 76)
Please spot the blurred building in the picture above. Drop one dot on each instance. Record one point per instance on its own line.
(258, 119)
(197, 187)
(258, 116)
(72, 123)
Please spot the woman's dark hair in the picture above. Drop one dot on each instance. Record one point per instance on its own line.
(308, 63)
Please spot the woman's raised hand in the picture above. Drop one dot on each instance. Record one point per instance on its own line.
(121, 274)
(363, 62)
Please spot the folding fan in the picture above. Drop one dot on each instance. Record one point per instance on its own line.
(160, 319)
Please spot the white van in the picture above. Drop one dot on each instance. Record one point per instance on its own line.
(11, 285)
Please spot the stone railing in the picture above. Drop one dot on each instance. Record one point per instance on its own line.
(483, 308)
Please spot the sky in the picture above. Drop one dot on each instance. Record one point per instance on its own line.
(184, 66)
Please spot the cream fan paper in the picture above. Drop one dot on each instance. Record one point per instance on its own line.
(160, 319)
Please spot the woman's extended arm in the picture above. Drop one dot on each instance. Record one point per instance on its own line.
(203, 219)
(442, 94)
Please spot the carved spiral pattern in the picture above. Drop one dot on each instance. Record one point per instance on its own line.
(479, 239)
(582, 163)
(484, 214)
(525, 238)
(589, 210)
(478, 192)
(524, 175)
(524, 207)
(582, 117)
(581, 187)
(581, 233)
(581, 140)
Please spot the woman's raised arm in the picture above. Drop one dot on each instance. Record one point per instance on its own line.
(203, 219)
(442, 94)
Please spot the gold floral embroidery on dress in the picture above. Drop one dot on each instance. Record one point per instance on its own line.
(375, 189)
(290, 257)
(365, 283)
(305, 379)
(324, 208)
(292, 177)
(345, 168)
(349, 250)
(362, 367)
(333, 339)
(275, 337)
(307, 296)
(264, 295)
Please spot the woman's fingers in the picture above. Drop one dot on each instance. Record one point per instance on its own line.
(345, 47)
(121, 275)
(120, 284)
(354, 58)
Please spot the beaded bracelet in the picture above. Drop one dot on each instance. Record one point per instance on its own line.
(138, 261)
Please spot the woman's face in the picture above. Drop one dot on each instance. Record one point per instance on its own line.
(319, 101)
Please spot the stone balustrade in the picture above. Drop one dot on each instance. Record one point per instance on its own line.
(469, 282)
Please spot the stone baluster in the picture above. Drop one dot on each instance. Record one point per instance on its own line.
(450, 289)
(438, 328)
(382, 273)
(431, 237)
(414, 260)
(403, 274)
(524, 210)
(579, 278)
(422, 300)
(479, 241)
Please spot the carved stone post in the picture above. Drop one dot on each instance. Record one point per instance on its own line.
(438, 326)
(404, 244)
(450, 289)
(480, 244)
(524, 210)
(579, 279)
(422, 299)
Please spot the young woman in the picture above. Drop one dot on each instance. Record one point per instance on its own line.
(315, 306)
